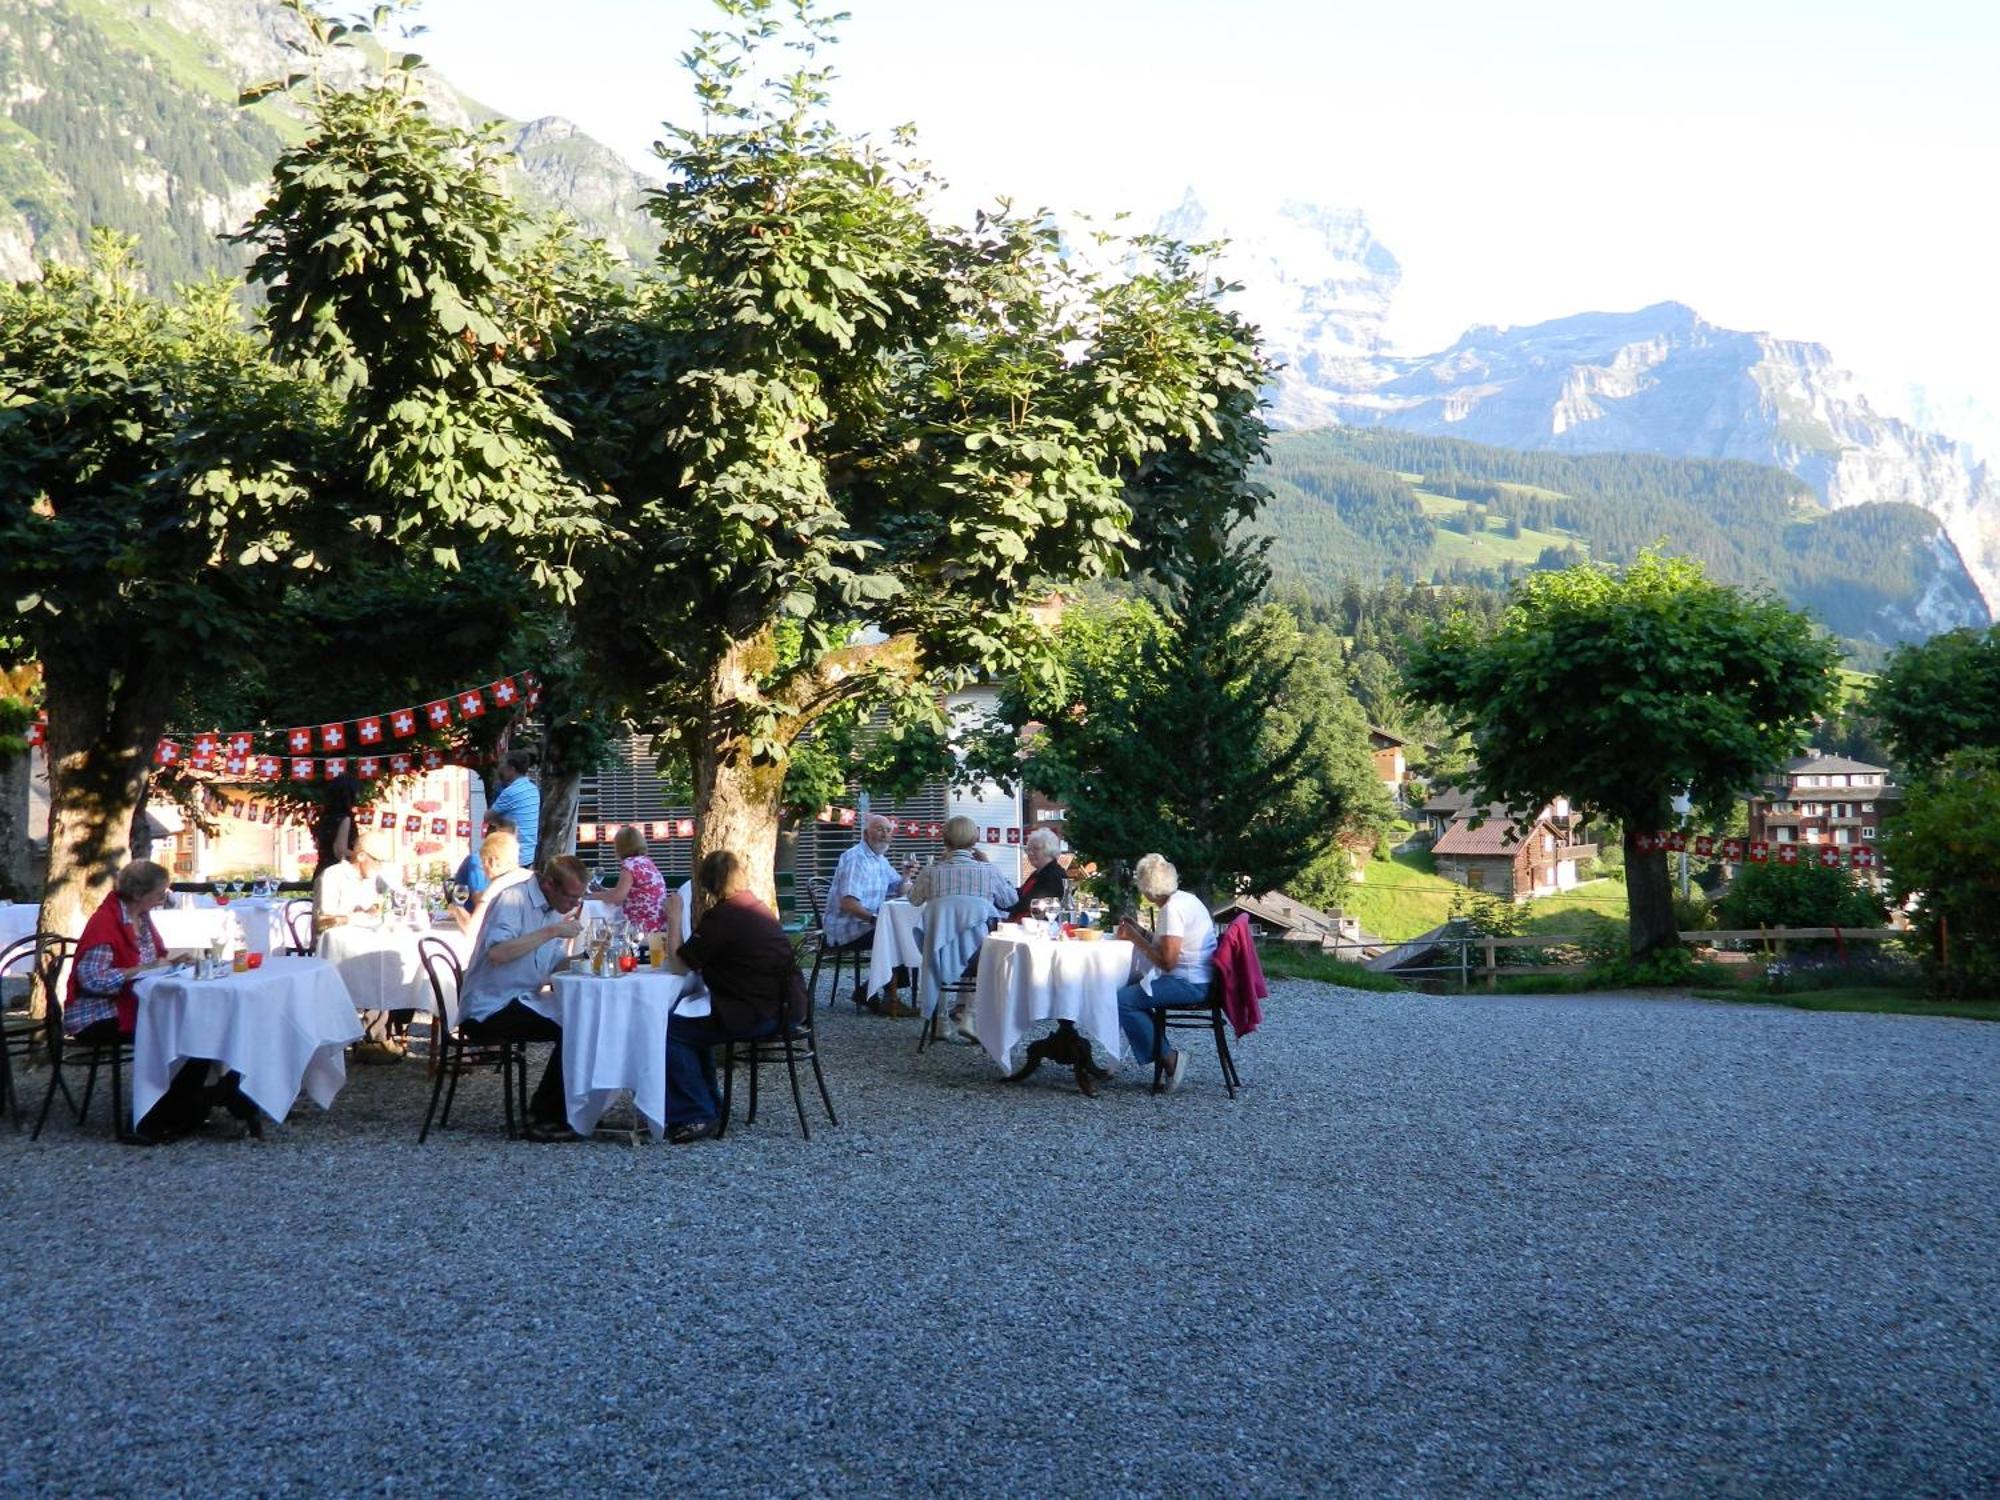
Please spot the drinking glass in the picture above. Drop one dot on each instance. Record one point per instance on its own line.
(221, 889)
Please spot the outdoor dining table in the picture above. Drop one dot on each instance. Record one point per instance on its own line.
(614, 1041)
(194, 927)
(898, 943)
(283, 1027)
(382, 970)
(1059, 998)
(17, 920)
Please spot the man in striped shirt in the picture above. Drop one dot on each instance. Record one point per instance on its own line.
(962, 872)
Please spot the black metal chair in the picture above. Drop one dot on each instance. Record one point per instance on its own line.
(20, 1032)
(793, 1043)
(68, 1052)
(817, 889)
(455, 1054)
(1196, 1015)
(298, 925)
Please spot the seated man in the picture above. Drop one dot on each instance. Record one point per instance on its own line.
(962, 872)
(524, 941)
(862, 880)
(354, 887)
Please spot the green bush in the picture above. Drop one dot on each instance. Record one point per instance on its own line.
(1944, 852)
(1692, 913)
(1801, 895)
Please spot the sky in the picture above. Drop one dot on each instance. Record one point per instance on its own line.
(1816, 169)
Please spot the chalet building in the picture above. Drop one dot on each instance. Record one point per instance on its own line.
(1823, 799)
(1276, 917)
(1511, 862)
(1391, 765)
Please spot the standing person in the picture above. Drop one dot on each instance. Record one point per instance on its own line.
(1179, 954)
(863, 879)
(505, 997)
(521, 800)
(640, 888)
(333, 830)
(1046, 876)
(745, 959)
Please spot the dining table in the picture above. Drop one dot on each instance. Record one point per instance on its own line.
(899, 933)
(194, 927)
(614, 1040)
(284, 1027)
(380, 964)
(1052, 1000)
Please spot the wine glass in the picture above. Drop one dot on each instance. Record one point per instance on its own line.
(221, 890)
(460, 893)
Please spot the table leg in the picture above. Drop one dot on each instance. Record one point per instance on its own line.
(1065, 1047)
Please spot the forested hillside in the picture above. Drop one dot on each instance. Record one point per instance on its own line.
(1380, 504)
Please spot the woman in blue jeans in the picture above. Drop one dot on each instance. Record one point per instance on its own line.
(745, 959)
(1176, 960)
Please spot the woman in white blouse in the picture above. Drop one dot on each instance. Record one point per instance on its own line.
(1177, 957)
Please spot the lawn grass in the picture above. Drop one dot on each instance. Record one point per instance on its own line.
(1401, 898)
(1877, 999)
(1595, 905)
(1291, 961)
(1490, 547)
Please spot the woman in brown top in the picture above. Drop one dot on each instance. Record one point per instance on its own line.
(745, 959)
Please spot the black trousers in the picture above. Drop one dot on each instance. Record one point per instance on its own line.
(514, 1022)
(188, 1099)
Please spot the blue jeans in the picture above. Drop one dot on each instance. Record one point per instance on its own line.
(694, 1097)
(1135, 1005)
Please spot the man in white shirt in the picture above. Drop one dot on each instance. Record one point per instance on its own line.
(522, 943)
(863, 879)
(353, 887)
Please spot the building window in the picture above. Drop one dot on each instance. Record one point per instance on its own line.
(1840, 836)
(1836, 780)
(1784, 835)
(1809, 781)
(1475, 877)
(1868, 807)
(1868, 833)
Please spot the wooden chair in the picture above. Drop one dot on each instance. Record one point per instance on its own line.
(456, 1054)
(19, 1030)
(823, 948)
(67, 1052)
(947, 920)
(1209, 1015)
(298, 925)
(794, 1042)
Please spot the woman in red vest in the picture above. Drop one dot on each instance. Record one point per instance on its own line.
(119, 944)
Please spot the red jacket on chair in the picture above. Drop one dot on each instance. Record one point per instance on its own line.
(1240, 977)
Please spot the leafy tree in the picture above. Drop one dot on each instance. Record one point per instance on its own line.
(1943, 851)
(1941, 696)
(1621, 689)
(846, 445)
(152, 509)
(1801, 895)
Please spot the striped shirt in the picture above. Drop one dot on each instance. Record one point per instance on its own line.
(959, 874)
(870, 879)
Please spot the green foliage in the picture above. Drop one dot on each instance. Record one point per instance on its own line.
(1486, 916)
(1941, 696)
(1943, 850)
(1662, 968)
(1618, 690)
(1802, 895)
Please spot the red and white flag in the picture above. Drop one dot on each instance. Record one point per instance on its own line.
(399, 765)
(684, 828)
(166, 753)
(433, 760)
(438, 714)
(299, 741)
(933, 829)
(438, 826)
(1677, 841)
(235, 765)
(239, 743)
(336, 765)
(1732, 851)
(464, 829)
(207, 745)
(200, 762)
(992, 835)
(368, 768)
(1704, 843)
(268, 767)
(1830, 857)
(403, 723)
(1013, 835)
(471, 705)
(369, 731)
(846, 817)
(1864, 859)
(414, 823)
(333, 736)
(1760, 851)
(305, 768)
(504, 692)
(1788, 854)
(38, 732)
(586, 833)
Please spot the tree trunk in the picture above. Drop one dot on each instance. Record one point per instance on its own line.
(1649, 892)
(736, 798)
(103, 726)
(556, 833)
(17, 874)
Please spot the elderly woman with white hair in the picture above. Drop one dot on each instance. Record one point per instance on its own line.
(1046, 876)
(1178, 955)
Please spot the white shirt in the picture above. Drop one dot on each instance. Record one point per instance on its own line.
(1186, 918)
(344, 890)
(870, 879)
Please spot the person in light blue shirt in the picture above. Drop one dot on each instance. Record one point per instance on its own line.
(521, 800)
(471, 870)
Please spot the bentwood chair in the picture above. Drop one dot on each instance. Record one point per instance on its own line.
(953, 929)
(299, 925)
(824, 948)
(458, 1054)
(67, 1052)
(1205, 1015)
(795, 1041)
(19, 1031)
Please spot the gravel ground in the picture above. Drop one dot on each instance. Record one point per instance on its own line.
(1571, 1245)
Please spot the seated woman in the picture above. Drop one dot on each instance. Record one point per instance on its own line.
(745, 959)
(1046, 876)
(119, 944)
(640, 888)
(500, 863)
(1179, 953)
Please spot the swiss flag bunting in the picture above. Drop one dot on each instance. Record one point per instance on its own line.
(333, 736)
(403, 723)
(234, 764)
(438, 826)
(336, 765)
(239, 744)
(205, 745)
(438, 714)
(504, 692)
(368, 768)
(201, 760)
(1788, 854)
(471, 705)
(305, 769)
(992, 835)
(399, 765)
(586, 833)
(369, 731)
(433, 760)
(933, 829)
(38, 732)
(414, 823)
(268, 767)
(685, 828)
(846, 817)
(166, 753)
(464, 829)
(1013, 835)
(1760, 851)
(299, 741)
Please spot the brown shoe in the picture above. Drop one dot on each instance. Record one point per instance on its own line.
(895, 1010)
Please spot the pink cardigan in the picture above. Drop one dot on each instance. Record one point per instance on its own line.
(1240, 977)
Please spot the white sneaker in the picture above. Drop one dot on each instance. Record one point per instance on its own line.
(1178, 1071)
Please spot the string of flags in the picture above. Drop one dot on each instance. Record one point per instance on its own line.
(1759, 851)
(389, 819)
(360, 746)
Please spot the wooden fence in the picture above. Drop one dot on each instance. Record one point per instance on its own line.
(1488, 967)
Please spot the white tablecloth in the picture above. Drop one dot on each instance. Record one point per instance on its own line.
(896, 943)
(1027, 983)
(381, 969)
(614, 1041)
(283, 1027)
(17, 920)
(261, 922)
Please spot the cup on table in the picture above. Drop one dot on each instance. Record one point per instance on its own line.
(627, 962)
